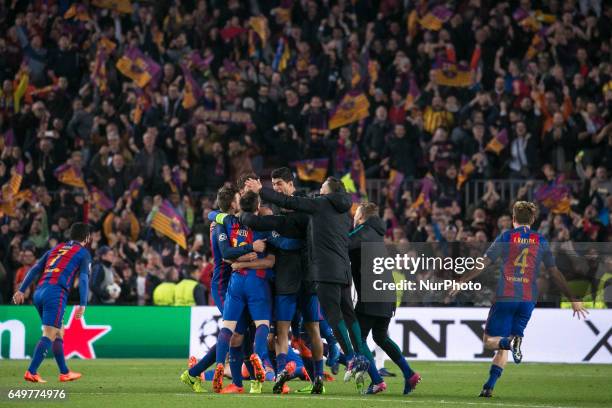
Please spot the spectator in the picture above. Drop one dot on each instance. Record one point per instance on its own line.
(103, 275)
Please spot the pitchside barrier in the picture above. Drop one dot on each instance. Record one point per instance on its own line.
(423, 333)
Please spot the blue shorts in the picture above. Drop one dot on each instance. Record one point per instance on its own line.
(286, 305)
(247, 293)
(50, 302)
(508, 318)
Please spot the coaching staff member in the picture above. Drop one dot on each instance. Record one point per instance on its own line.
(375, 316)
(329, 266)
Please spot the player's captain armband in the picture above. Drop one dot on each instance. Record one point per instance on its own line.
(220, 217)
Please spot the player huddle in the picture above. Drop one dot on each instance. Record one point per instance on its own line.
(278, 273)
(291, 269)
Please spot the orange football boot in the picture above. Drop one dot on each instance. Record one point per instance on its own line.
(218, 378)
(258, 368)
(300, 345)
(35, 378)
(69, 376)
(232, 389)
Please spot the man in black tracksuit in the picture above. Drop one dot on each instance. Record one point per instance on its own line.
(292, 291)
(375, 316)
(328, 228)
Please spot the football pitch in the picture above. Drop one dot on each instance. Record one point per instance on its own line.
(154, 383)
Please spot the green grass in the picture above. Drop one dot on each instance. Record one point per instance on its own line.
(155, 383)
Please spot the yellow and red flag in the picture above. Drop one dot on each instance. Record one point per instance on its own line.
(466, 169)
(498, 143)
(139, 67)
(353, 107)
(312, 170)
(70, 175)
(169, 223)
(121, 6)
(447, 73)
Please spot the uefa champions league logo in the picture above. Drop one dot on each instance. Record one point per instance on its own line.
(208, 331)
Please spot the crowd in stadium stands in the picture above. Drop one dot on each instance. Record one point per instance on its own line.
(109, 113)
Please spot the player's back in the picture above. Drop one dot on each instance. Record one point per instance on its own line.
(522, 251)
(62, 263)
(221, 269)
(239, 235)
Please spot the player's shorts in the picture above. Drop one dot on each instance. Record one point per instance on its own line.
(508, 318)
(50, 302)
(247, 293)
(286, 305)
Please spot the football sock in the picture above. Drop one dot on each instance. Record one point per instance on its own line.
(261, 341)
(318, 368)
(40, 352)
(58, 352)
(494, 373)
(235, 363)
(342, 336)
(205, 362)
(395, 354)
(327, 333)
(373, 372)
(223, 344)
(281, 362)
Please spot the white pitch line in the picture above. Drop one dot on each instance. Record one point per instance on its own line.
(313, 398)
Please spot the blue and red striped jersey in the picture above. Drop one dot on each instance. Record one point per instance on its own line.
(59, 266)
(238, 236)
(521, 251)
(221, 269)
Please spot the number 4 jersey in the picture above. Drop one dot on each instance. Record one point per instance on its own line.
(522, 251)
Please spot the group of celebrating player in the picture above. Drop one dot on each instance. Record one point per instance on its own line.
(291, 269)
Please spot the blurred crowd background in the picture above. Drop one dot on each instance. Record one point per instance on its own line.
(130, 115)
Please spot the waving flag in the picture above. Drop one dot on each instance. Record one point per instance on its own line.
(555, 196)
(413, 94)
(99, 74)
(538, 44)
(195, 60)
(139, 67)
(394, 183)
(353, 107)
(169, 223)
(423, 200)
(282, 56)
(447, 73)
(100, 200)
(121, 6)
(78, 12)
(312, 170)
(21, 87)
(16, 178)
(70, 175)
(134, 188)
(498, 143)
(435, 18)
(259, 24)
(192, 92)
(466, 169)
(283, 11)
